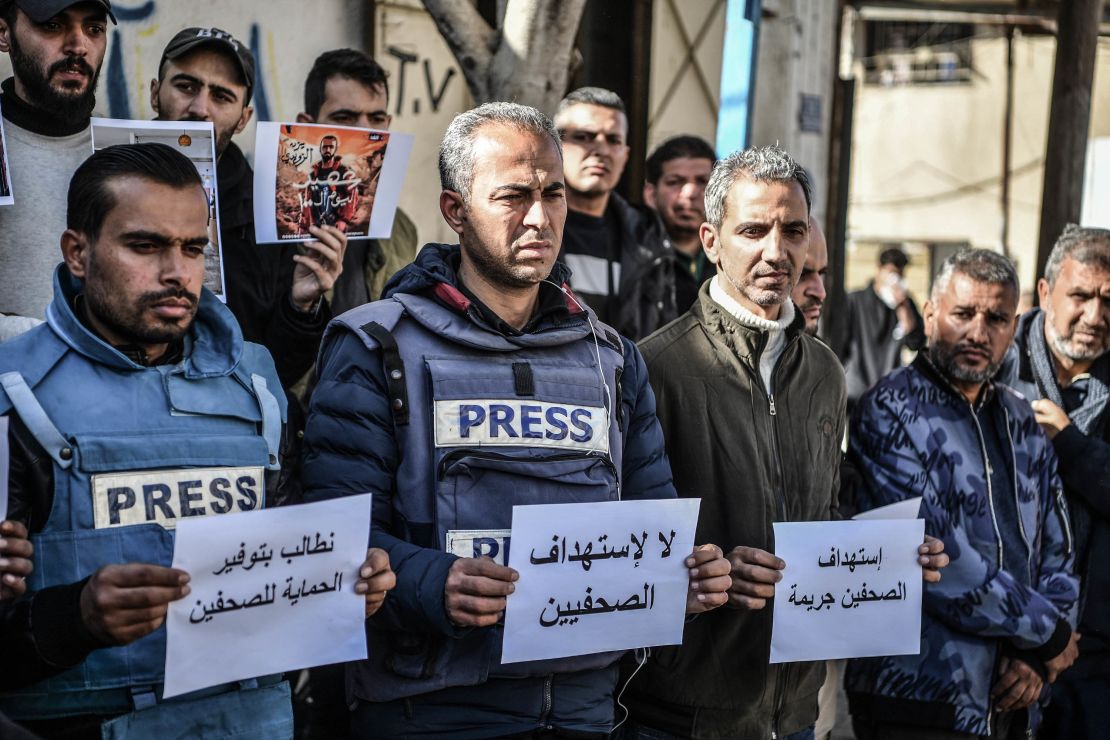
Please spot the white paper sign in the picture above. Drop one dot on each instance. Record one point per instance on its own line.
(308, 174)
(908, 509)
(197, 141)
(850, 590)
(4, 453)
(272, 591)
(598, 576)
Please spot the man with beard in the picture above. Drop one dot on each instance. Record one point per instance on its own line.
(276, 293)
(492, 313)
(1000, 624)
(753, 419)
(622, 263)
(56, 48)
(809, 294)
(332, 193)
(347, 87)
(1061, 360)
(136, 404)
(676, 174)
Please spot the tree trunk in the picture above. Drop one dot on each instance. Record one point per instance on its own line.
(526, 61)
(1069, 120)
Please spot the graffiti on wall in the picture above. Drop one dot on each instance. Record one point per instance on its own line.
(435, 91)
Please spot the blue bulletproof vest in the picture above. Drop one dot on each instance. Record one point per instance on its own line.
(134, 450)
(488, 422)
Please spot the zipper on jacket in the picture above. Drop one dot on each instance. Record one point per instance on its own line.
(1062, 508)
(990, 488)
(1017, 499)
(545, 708)
(780, 698)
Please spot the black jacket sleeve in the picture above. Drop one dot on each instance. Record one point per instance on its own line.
(1085, 468)
(41, 634)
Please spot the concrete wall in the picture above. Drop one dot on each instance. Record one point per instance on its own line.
(797, 47)
(927, 159)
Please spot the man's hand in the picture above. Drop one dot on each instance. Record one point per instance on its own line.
(15, 559)
(375, 578)
(1063, 661)
(1018, 685)
(316, 273)
(474, 595)
(121, 603)
(754, 575)
(1051, 417)
(932, 558)
(709, 579)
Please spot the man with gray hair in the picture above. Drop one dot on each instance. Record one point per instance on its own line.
(1061, 362)
(999, 626)
(469, 345)
(621, 259)
(752, 418)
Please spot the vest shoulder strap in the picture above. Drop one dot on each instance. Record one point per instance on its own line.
(373, 323)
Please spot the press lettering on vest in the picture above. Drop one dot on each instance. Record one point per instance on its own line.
(478, 543)
(498, 422)
(165, 496)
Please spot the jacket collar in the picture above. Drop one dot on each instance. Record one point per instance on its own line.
(213, 345)
(430, 290)
(924, 365)
(744, 341)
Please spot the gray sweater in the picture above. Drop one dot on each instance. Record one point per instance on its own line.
(31, 229)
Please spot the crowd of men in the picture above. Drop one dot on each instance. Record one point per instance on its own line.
(325, 372)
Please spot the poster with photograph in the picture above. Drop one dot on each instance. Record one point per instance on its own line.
(322, 175)
(6, 197)
(197, 141)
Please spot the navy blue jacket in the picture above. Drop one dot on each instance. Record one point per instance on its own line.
(351, 447)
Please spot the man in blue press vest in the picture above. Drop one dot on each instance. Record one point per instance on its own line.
(136, 404)
(478, 383)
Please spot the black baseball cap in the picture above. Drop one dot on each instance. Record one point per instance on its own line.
(41, 11)
(193, 38)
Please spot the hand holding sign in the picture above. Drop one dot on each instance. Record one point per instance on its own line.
(710, 579)
(375, 579)
(475, 592)
(754, 575)
(121, 603)
(15, 559)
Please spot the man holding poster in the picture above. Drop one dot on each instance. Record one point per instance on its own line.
(275, 292)
(1001, 622)
(480, 383)
(136, 405)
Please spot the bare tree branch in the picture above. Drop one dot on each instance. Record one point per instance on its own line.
(470, 38)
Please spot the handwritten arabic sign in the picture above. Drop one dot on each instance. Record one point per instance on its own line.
(323, 175)
(272, 591)
(597, 577)
(850, 590)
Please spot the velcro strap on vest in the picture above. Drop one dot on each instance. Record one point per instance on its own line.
(35, 419)
(143, 697)
(394, 371)
(271, 419)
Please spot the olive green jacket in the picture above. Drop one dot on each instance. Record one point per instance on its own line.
(753, 459)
